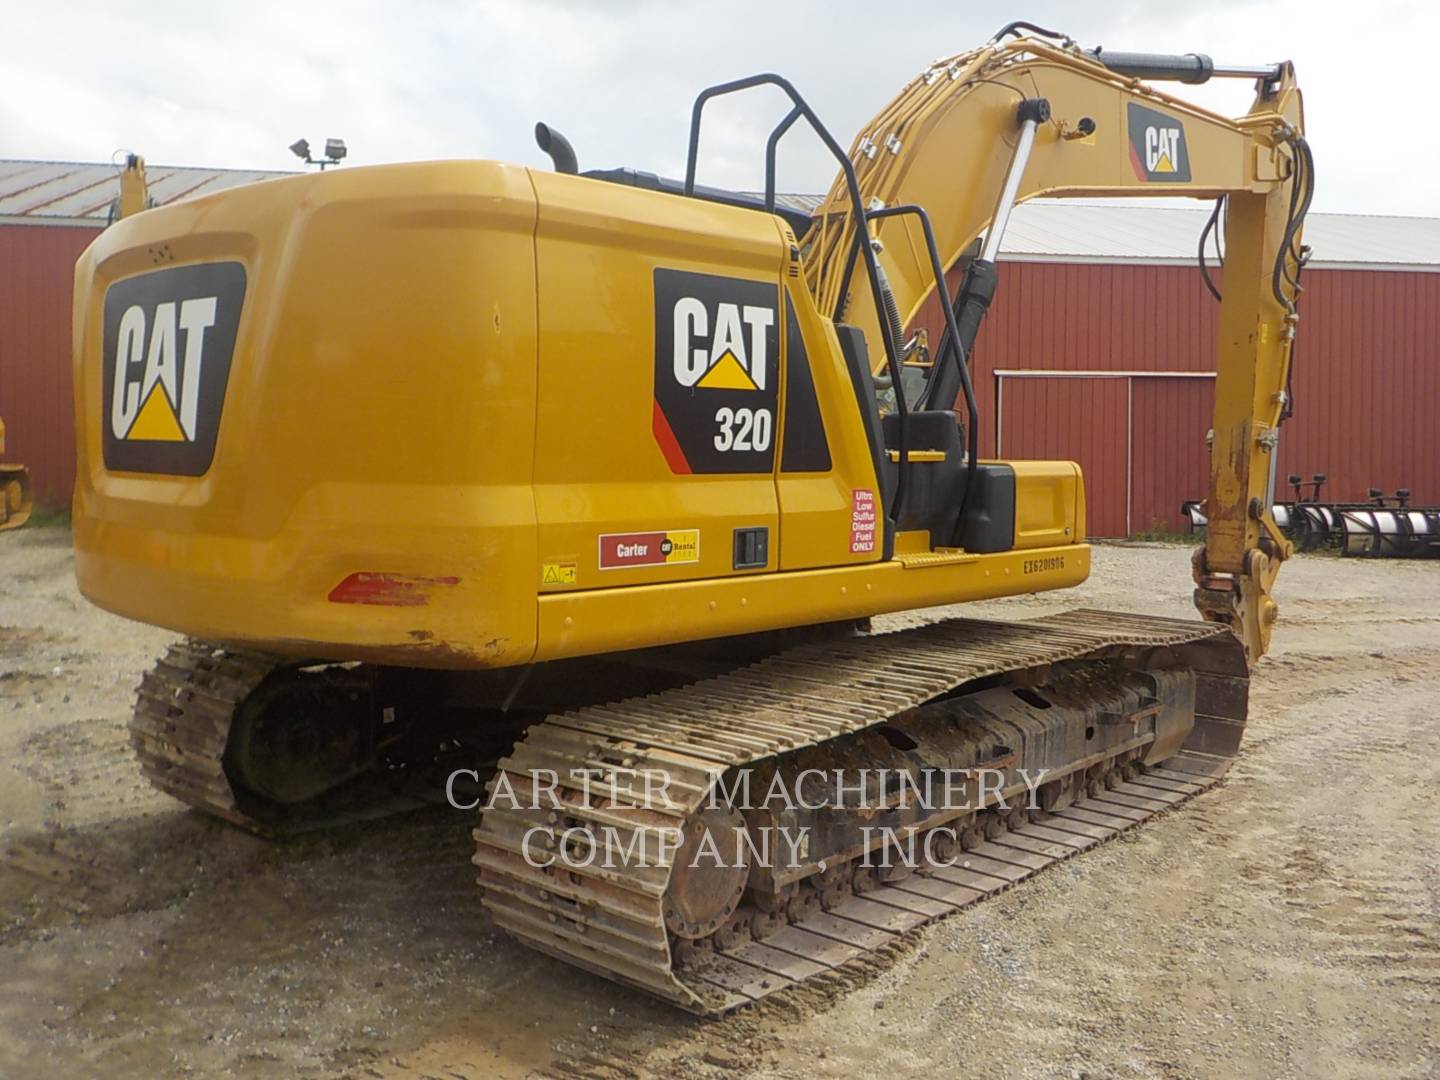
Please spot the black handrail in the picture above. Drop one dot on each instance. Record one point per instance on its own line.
(770, 145)
(972, 410)
(852, 184)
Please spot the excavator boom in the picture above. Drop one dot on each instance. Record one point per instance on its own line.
(979, 132)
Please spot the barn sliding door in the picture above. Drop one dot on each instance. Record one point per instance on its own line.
(1138, 436)
(1072, 419)
(1169, 459)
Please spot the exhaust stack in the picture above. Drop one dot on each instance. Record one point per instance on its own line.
(558, 147)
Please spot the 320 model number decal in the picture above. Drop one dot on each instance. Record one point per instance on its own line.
(743, 429)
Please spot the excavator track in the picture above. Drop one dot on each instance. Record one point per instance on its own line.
(186, 710)
(630, 921)
(180, 729)
(183, 711)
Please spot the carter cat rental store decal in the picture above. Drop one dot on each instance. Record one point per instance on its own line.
(621, 550)
(717, 366)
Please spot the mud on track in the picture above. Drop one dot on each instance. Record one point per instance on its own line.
(1284, 924)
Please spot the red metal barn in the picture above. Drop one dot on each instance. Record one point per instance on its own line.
(36, 265)
(1098, 348)
(49, 213)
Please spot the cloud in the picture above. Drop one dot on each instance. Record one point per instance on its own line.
(231, 85)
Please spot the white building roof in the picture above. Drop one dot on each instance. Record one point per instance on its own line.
(1143, 233)
(1060, 230)
(1045, 230)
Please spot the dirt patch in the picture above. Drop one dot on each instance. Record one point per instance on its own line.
(1284, 924)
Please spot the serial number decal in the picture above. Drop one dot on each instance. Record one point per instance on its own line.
(1040, 566)
(620, 550)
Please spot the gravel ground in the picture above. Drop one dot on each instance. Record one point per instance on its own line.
(1283, 924)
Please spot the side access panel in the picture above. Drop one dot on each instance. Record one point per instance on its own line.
(659, 371)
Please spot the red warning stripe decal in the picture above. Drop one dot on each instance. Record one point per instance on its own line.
(669, 445)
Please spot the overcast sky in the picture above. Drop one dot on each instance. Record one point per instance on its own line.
(233, 84)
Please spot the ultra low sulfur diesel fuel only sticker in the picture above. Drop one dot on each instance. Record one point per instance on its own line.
(862, 520)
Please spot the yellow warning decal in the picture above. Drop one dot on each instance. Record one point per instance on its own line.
(555, 573)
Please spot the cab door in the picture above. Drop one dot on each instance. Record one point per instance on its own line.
(830, 503)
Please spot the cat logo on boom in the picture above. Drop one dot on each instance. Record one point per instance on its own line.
(168, 341)
(716, 372)
(1158, 151)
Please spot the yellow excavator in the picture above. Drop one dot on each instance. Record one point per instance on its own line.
(553, 483)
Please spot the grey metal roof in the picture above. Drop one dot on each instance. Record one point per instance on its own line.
(77, 193)
(1045, 230)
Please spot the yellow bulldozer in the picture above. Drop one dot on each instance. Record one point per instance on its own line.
(15, 499)
(581, 488)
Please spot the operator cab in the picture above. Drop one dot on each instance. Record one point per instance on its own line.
(922, 459)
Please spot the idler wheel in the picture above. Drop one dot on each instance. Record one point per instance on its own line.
(708, 875)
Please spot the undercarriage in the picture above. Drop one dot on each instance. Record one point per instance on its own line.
(718, 823)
